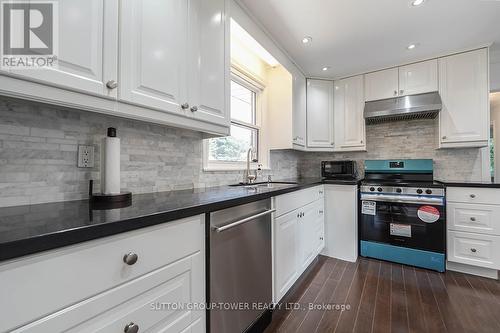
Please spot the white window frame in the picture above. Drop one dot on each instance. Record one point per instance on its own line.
(254, 84)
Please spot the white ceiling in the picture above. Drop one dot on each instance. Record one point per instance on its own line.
(356, 36)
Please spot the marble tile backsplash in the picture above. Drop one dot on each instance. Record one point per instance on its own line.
(405, 140)
(38, 154)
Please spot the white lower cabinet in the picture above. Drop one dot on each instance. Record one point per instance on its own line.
(89, 288)
(298, 236)
(473, 235)
(285, 252)
(341, 222)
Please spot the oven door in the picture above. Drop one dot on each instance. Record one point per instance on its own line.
(403, 221)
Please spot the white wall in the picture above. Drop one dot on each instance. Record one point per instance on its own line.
(495, 118)
(495, 68)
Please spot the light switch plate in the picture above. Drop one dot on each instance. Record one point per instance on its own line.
(85, 156)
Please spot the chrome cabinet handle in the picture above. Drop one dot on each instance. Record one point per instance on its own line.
(247, 219)
(111, 84)
(321, 238)
(472, 196)
(131, 328)
(473, 219)
(321, 212)
(401, 92)
(185, 106)
(194, 108)
(130, 258)
(473, 250)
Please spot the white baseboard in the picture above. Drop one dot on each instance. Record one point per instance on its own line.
(473, 270)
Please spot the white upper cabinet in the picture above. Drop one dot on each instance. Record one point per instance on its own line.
(83, 63)
(320, 114)
(299, 110)
(153, 45)
(348, 116)
(418, 78)
(464, 90)
(209, 66)
(382, 84)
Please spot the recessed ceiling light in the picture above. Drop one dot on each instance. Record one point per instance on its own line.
(326, 68)
(411, 46)
(417, 2)
(306, 40)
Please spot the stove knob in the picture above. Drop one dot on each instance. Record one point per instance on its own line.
(398, 190)
(428, 191)
(419, 191)
(372, 189)
(379, 189)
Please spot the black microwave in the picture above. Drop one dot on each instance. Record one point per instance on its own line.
(338, 169)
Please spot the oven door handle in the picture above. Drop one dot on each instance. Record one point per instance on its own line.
(403, 199)
(247, 219)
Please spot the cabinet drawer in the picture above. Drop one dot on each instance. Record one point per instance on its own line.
(483, 219)
(473, 195)
(51, 281)
(291, 201)
(474, 249)
(143, 302)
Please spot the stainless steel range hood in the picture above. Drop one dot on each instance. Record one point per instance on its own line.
(401, 108)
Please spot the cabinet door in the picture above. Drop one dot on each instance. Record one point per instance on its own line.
(418, 78)
(285, 253)
(208, 65)
(463, 86)
(348, 116)
(307, 235)
(381, 85)
(320, 114)
(87, 48)
(153, 49)
(299, 110)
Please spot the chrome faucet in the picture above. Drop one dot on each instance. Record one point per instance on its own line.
(248, 178)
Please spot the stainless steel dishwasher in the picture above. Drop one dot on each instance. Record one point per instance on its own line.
(240, 266)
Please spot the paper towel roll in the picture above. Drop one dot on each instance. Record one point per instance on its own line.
(110, 173)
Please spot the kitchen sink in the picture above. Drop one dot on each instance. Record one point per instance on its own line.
(265, 184)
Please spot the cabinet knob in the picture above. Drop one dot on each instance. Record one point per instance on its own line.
(320, 192)
(444, 137)
(401, 92)
(361, 141)
(131, 328)
(194, 108)
(111, 84)
(298, 215)
(473, 219)
(473, 250)
(395, 92)
(472, 196)
(321, 212)
(130, 258)
(185, 106)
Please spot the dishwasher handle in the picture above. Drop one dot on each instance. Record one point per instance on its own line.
(247, 219)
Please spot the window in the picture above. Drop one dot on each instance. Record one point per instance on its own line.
(231, 151)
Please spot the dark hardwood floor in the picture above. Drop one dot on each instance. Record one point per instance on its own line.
(384, 297)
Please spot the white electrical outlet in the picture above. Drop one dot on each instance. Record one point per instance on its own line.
(85, 156)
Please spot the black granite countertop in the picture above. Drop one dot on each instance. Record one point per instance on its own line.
(35, 228)
(460, 183)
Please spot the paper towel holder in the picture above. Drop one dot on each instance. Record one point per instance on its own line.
(108, 201)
